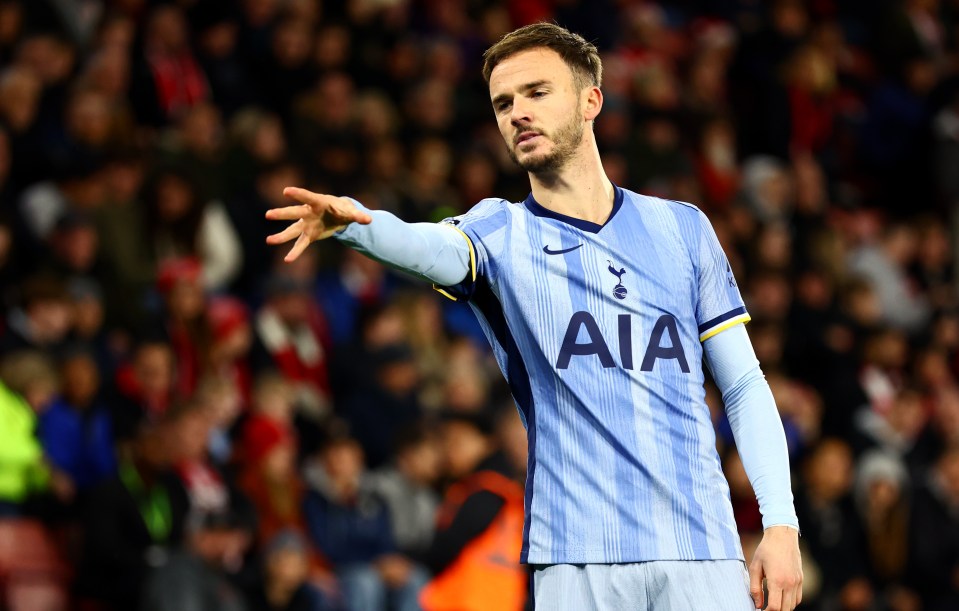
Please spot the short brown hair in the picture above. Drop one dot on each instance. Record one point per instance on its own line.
(579, 54)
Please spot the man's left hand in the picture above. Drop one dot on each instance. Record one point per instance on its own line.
(777, 561)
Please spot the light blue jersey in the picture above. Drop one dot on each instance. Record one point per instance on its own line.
(598, 330)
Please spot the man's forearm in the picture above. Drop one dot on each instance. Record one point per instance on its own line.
(434, 252)
(755, 421)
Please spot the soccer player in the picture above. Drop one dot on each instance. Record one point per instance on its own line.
(599, 304)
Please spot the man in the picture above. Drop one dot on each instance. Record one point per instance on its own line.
(350, 525)
(626, 505)
(132, 522)
(406, 486)
(479, 526)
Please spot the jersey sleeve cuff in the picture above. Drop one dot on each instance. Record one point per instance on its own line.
(464, 290)
(793, 525)
(723, 322)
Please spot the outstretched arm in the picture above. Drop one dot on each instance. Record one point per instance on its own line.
(761, 442)
(438, 253)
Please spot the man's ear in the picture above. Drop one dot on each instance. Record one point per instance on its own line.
(592, 102)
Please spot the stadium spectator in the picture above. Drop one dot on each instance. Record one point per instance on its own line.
(180, 223)
(224, 403)
(270, 478)
(831, 528)
(144, 385)
(77, 187)
(167, 79)
(90, 324)
(387, 403)
(406, 486)
(43, 319)
(207, 570)
(883, 505)
(352, 294)
(133, 522)
(285, 585)
(934, 536)
(187, 327)
(292, 337)
(129, 269)
(351, 527)
(885, 265)
(28, 383)
(73, 247)
(480, 521)
(231, 338)
(217, 51)
(20, 91)
(76, 430)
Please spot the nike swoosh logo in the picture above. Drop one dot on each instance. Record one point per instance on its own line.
(560, 252)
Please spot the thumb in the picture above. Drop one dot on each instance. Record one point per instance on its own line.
(362, 218)
(349, 212)
(756, 583)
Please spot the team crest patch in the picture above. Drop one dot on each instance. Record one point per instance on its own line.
(619, 291)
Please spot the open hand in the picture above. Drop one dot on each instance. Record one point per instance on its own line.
(777, 561)
(316, 218)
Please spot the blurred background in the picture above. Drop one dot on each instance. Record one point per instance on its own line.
(187, 422)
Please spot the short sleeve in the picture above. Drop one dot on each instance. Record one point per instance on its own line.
(478, 225)
(719, 304)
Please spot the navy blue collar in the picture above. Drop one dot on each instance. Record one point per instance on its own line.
(536, 208)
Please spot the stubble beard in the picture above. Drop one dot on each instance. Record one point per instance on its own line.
(565, 143)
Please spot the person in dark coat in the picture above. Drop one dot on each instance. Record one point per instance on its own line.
(832, 530)
(350, 525)
(934, 537)
(132, 522)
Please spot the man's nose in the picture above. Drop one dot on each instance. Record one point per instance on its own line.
(519, 114)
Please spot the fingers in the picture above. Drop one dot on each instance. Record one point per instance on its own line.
(311, 203)
(756, 584)
(298, 247)
(286, 235)
(309, 198)
(789, 599)
(289, 213)
(774, 601)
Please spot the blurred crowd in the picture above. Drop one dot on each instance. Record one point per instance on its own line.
(188, 422)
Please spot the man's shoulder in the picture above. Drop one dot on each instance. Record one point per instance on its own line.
(58, 414)
(641, 199)
(386, 481)
(489, 206)
(488, 213)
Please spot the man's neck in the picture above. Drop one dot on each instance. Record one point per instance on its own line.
(580, 189)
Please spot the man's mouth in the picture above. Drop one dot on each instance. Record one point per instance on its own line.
(525, 136)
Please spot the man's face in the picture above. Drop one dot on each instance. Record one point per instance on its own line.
(539, 110)
(463, 446)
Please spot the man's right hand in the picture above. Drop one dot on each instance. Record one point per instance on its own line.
(316, 218)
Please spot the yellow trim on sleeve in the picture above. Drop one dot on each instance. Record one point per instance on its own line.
(472, 252)
(741, 319)
(444, 293)
(469, 242)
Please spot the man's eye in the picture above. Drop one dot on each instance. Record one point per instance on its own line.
(538, 94)
(503, 106)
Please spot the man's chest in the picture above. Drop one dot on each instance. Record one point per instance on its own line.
(620, 302)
